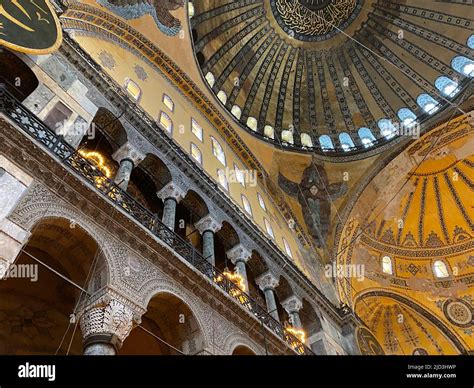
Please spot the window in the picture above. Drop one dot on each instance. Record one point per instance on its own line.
(326, 143)
(470, 41)
(287, 136)
(387, 129)
(427, 103)
(133, 89)
(387, 265)
(447, 86)
(268, 131)
(236, 111)
(463, 65)
(222, 179)
(287, 248)
(166, 122)
(191, 10)
(366, 137)
(196, 153)
(269, 228)
(168, 102)
(210, 79)
(346, 141)
(407, 117)
(57, 118)
(239, 174)
(252, 123)
(196, 129)
(218, 151)
(306, 140)
(222, 96)
(261, 202)
(440, 270)
(246, 203)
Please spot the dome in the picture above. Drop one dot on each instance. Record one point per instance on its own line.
(323, 68)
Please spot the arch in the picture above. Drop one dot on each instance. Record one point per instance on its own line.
(463, 65)
(306, 140)
(242, 350)
(222, 96)
(43, 303)
(440, 269)
(310, 319)
(17, 76)
(110, 126)
(170, 318)
(427, 103)
(269, 131)
(387, 129)
(346, 141)
(201, 312)
(447, 86)
(252, 123)
(218, 151)
(236, 111)
(287, 136)
(210, 79)
(387, 265)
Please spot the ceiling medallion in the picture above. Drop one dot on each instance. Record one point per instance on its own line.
(314, 20)
(458, 312)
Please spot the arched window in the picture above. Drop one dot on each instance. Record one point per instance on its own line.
(261, 202)
(252, 123)
(387, 266)
(222, 96)
(470, 41)
(269, 229)
(236, 111)
(326, 143)
(196, 153)
(239, 175)
(191, 10)
(210, 79)
(268, 131)
(447, 86)
(218, 151)
(387, 129)
(246, 204)
(287, 248)
(427, 103)
(407, 117)
(463, 65)
(196, 129)
(366, 137)
(287, 136)
(223, 180)
(306, 140)
(346, 141)
(440, 269)
(133, 89)
(166, 122)
(168, 102)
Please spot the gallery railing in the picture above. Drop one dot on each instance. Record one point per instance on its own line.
(55, 143)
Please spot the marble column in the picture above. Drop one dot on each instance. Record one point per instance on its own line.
(13, 184)
(105, 325)
(267, 283)
(239, 255)
(171, 195)
(128, 158)
(293, 305)
(208, 226)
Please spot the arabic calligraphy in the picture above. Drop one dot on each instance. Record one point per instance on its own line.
(314, 20)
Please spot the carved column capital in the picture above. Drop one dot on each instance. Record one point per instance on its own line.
(208, 223)
(171, 190)
(110, 321)
(130, 152)
(238, 253)
(292, 304)
(267, 281)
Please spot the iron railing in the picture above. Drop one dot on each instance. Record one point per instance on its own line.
(55, 143)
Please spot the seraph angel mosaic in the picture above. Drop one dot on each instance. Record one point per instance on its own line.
(158, 9)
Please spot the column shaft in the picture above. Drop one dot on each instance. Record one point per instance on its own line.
(208, 246)
(99, 349)
(242, 270)
(169, 213)
(124, 173)
(271, 303)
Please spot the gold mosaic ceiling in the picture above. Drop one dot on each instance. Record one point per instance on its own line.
(317, 67)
